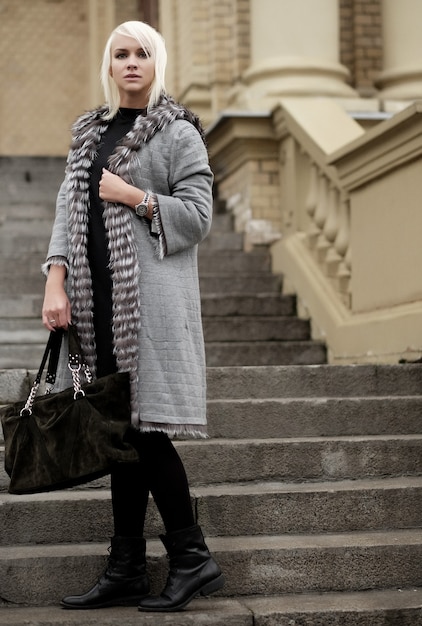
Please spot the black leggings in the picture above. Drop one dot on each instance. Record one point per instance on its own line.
(159, 471)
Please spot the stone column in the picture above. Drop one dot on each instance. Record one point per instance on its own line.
(294, 52)
(101, 19)
(402, 44)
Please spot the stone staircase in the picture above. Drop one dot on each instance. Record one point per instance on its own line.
(309, 489)
(28, 189)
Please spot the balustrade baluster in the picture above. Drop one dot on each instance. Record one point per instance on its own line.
(311, 204)
(343, 247)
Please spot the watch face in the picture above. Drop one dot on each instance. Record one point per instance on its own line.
(141, 210)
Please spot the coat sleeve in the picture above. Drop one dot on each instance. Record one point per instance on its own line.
(186, 214)
(58, 248)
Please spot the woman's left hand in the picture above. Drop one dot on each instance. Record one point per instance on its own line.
(113, 188)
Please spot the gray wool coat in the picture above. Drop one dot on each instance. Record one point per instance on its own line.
(171, 384)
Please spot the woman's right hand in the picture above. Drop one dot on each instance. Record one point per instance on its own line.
(56, 311)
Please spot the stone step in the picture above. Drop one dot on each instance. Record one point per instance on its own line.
(229, 262)
(30, 180)
(298, 459)
(12, 226)
(254, 328)
(252, 565)
(21, 306)
(22, 284)
(271, 304)
(316, 382)
(15, 260)
(25, 306)
(27, 212)
(13, 247)
(246, 284)
(336, 417)
(222, 241)
(16, 356)
(314, 417)
(294, 417)
(19, 266)
(396, 607)
(218, 354)
(253, 353)
(301, 459)
(299, 417)
(22, 331)
(222, 222)
(229, 510)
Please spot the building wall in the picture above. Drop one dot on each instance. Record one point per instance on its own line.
(50, 54)
(44, 64)
(361, 42)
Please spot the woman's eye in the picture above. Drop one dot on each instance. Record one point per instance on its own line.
(143, 54)
(121, 55)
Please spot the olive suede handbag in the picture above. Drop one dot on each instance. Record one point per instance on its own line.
(59, 440)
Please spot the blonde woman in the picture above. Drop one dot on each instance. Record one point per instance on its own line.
(122, 263)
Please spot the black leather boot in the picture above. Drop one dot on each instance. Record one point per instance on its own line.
(124, 581)
(193, 572)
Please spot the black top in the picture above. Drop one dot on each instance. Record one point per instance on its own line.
(98, 254)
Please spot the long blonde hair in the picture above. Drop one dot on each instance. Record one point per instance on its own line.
(153, 44)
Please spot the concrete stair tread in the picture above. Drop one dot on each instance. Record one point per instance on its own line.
(314, 382)
(366, 484)
(20, 306)
(23, 335)
(337, 608)
(240, 543)
(253, 329)
(239, 283)
(317, 384)
(245, 353)
(299, 459)
(317, 380)
(243, 294)
(259, 508)
(294, 440)
(274, 304)
(337, 416)
(267, 565)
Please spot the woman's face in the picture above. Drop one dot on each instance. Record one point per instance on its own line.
(132, 70)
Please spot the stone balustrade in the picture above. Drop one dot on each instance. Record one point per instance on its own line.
(347, 229)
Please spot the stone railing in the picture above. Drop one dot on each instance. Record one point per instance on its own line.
(320, 213)
(350, 215)
(341, 209)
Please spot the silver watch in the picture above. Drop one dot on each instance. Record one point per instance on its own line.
(141, 209)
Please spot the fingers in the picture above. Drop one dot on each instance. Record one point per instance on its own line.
(111, 187)
(50, 322)
(57, 319)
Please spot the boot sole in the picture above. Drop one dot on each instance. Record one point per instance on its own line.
(103, 605)
(206, 590)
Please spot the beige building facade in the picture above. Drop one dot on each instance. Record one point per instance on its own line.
(313, 111)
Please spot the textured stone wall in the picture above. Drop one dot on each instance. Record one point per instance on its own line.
(46, 70)
(48, 73)
(44, 65)
(361, 42)
(259, 184)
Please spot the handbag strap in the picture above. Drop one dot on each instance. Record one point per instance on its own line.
(51, 353)
(76, 363)
(55, 338)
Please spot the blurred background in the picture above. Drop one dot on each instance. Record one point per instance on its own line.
(313, 118)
